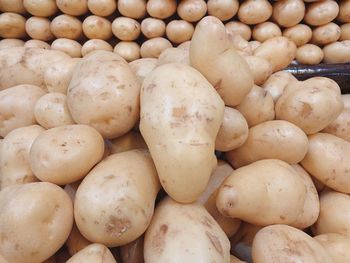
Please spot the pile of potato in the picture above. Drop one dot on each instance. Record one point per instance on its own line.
(320, 29)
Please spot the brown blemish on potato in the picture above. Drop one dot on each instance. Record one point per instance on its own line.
(150, 87)
(217, 86)
(117, 226)
(215, 242)
(179, 112)
(206, 221)
(306, 109)
(159, 238)
(104, 96)
(282, 217)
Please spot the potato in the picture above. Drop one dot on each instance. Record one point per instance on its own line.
(21, 65)
(192, 10)
(73, 7)
(111, 105)
(345, 32)
(310, 105)
(152, 48)
(346, 100)
(208, 198)
(102, 8)
(195, 230)
(323, 35)
(193, 108)
(132, 8)
(288, 13)
(344, 11)
(43, 8)
(257, 106)
(66, 26)
(11, 42)
(14, 152)
(125, 28)
(254, 45)
(152, 27)
(277, 82)
(260, 68)
(185, 45)
(95, 44)
(161, 8)
(12, 25)
(281, 243)
(77, 147)
(39, 28)
(337, 52)
(321, 12)
(69, 46)
(174, 55)
(270, 181)
(130, 141)
(58, 75)
(309, 54)
(178, 31)
(14, 6)
(265, 31)
(122, 216)
(30, 213)
(17, 107)
(279, 51)
(133, 252)
(93, 253)
(336, 245)
(96, 27)
(341, 126)
(34, 43)
(238, 28)
(326, 82)
(271, 140)
(253, 12)
(300, 34)
(128, 50)
(239, 44)
(142, 67)
(223, 9)
(219, 62)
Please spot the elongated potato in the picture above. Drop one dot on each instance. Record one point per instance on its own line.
(96, 27)
(223, 9)
(300, 34)
(95, 44)
(174, 55)
(191, 10)
(42, 8)
(277, 82)
(121, 216)
(326, 34)
(281, 243)
(142, 67)
(66, 26)
(271, 140)
(270, 181)
(261, 69)
(133, 252)
(337, 52)
(221, 65)
(152, 48)
(161, 8)
(12, 25)
(177, 226)
(39, 28)
(337, 246)
(288, 13)
(321, 12)
(253, 12)
(92, 254)
(15, 6)
(113, 100)
(152, 27)
(102, 7)
(11, 42)
(73, 7)
(265, 31)
(193, 107)
(309, 54)
(131, 140)
(341, 126)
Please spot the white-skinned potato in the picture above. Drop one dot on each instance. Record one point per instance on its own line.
(253, 193)
(282, 243)
(95, 44)
(223, 9)
(161, 8)
(337, 52)
(66, 26)
(300, 34)
(271, 140)
(152, 27)
(121, 216)
(174, 55)
(288, 13)
(133, 252)
(341, 126)
(17, 107)
(128, 50)
(279, 51)
(39, 28)
(142, 67)
(12, 25)
(344, 11)
(321, 12)
(14, 6)
(238, 28)
(309, 54)
(11, 42)
(193, 108)
(179, 31)
(265, 31)
(222, 66)
(132, 8)
(68, 46)
(30, 213)
(92, 254)
(14, 152)
(34, 43)
(345, 32)
(102, 7)
(42, 8)
(96, 27)
(126, 29)
(192, 10)
(153, 47)
(65, 154)
(253, 12)
(113, 100)
(325, 34)
(240, 45)
(257, 106)
(261, 69)
(337, 246)
(233, 131)
(130, 141)
(277, 82)
(51, 110)
(73, 7)
(177, 226)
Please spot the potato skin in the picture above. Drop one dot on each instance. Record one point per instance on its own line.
(174, 55)
(11, 42)
(130, 141)
(277, 82)
(288, 13)
(337, 246)
(95, 44)
(309, 54)
(142, 67)
(121, 216)
(321, 12)
(341, 126)
(92, 254)
(30, 213)
(337, 52)
(300, 34)
(254, 12)
(260, 67)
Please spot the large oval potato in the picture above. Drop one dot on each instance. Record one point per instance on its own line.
(94, 253)
(104, 93)
(321, 12)
(254, 11)
(142, 67)
(271, 140)
(117, 217)
(184, 233)
(337, 246)
(65, 154)
(326, 34)
(12, 25)
(288, 13)
(254, 192)
(277, 82)
(35, 221)
(181, 132)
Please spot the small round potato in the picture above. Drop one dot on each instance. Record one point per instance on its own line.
(152, 48)
(325, 34)
(126, 29)
(68, 46)
(337, 246)
(102, 7)
(128, 50)
(309, 54)
(223, 9)
(66, 26)
(260, 68)
(12, 25)
(65, 154)
(30, 213)
(265, 31)
(345, 32)
(43, 8)
(73, 7)
(142, 67)
(95, 44)
(253, 12)
(11, 42)
(321, 12)
(152, 27)
(288, 13)
(192, 10)
(337, 52)
(92, 254)
(96, 27)
(179, 31)
(299, 34)
(174, 55)
(344, 11)
(239, 28)
(37, 44)
(161, 8)
(132, 8)
(13, 6)
(39, 28)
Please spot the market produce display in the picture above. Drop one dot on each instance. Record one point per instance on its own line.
(137, 131)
